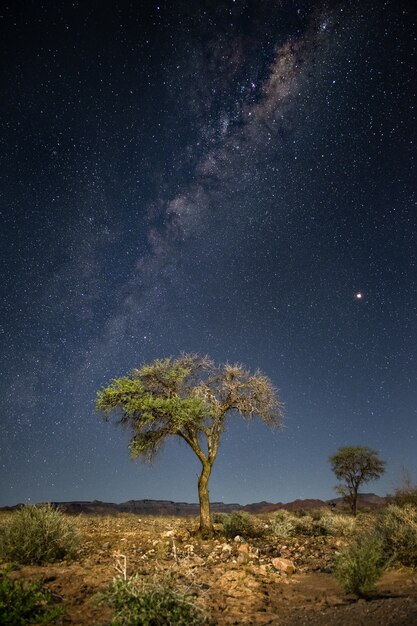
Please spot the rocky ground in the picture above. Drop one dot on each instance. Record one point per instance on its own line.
(260, 581)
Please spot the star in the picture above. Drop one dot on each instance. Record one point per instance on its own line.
(358, 295)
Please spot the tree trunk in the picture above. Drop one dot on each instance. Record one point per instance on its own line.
(354, 502)
(206, 525)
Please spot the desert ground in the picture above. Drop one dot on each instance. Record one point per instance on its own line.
(236, 581)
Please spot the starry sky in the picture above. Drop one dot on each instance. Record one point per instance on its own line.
(222, 177)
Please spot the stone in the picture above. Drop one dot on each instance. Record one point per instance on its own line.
(243, 558)
(226, 548)
(284, 566)
(244, 547)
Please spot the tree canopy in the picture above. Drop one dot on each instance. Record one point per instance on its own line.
(188, 397)
(354, 466)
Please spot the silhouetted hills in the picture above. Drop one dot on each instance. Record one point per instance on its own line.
(167, 507)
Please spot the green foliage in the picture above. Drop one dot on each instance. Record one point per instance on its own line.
(219, 517)
(140, 603)
(358, 461)
(38, 534)
(354, 466)
(25, 603)
(338, 525)
(398, 527)
(188, 397)
(243, 524)
(283, 524)
(361, 564)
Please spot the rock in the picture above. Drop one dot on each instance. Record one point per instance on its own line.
(243, 558)
(238, 539)
(244, 547)
(169, 533)
(226, 550)
(284, 566)
(189, 548)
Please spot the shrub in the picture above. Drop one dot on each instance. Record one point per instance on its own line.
(405, 496)
(241, 523)
(406, 492)
(218, 518)
(307, 525)
(283, 524)
(398, 527)
(361, 564)
(38, 534)
(317, 514)
(338, 525)
(25, 604)
(140, 603)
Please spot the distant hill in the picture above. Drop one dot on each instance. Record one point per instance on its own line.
(167, 507)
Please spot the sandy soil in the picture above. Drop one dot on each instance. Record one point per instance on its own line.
(234, 581)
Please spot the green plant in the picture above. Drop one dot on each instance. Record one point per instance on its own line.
(283, 524)
(361, 564)
(218, 518)
(138, 602)
(25, 604)
(338, 525)
(241, 523)
(398, 527)
(38, 534)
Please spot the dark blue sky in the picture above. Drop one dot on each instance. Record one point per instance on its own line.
(213, 177)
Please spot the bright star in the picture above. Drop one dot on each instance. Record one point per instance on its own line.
(358, 295)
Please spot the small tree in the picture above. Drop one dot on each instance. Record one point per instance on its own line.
(355, 465)
(188, 397)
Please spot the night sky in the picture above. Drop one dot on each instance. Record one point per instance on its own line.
(221, 177)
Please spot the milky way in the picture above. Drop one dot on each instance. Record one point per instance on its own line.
(234, 180)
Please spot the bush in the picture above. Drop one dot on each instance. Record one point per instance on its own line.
(38, 534)
(405, 496)
(218, 518)
(361, 564)
(138, 603)
(25, 604)
(338, 525)
(307, 525)
(398, 527)
(241, 523)
(285, 524)
(406, 492)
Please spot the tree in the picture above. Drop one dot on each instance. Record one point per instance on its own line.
(355, 465)
(188, 397)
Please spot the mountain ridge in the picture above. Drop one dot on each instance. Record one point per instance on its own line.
(184, 509)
